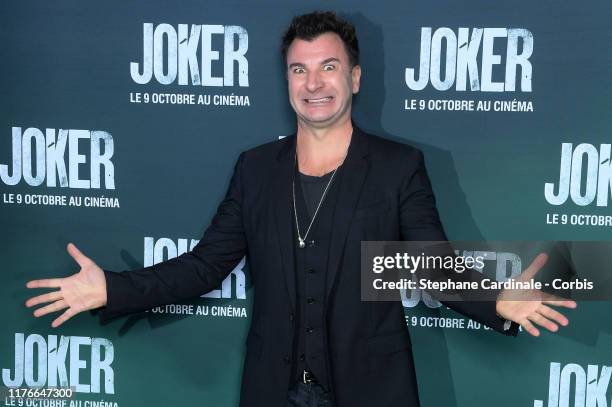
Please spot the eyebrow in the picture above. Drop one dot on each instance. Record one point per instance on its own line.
(325, 61)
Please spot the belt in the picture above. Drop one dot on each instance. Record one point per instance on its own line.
(308, 377)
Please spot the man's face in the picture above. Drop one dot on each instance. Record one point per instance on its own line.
(321, 80)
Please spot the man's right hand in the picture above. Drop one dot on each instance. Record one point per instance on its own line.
(83, 291)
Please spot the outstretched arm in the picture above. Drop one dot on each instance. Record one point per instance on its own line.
(420, 222)
(188, 275)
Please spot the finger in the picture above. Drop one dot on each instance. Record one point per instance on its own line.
(530, 328)
(69, 313)
(542, 321)
(45, 283)
(77, 255)
(558, 302)
(54, 296)
(56, 306)
(535, 266)
(553, 315)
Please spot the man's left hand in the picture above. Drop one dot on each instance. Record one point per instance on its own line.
(535, 306)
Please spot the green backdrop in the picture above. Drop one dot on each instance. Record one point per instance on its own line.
(140, 179)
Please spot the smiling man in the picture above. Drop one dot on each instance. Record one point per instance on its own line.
(300, 208)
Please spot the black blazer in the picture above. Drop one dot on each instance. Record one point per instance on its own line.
(384, 194)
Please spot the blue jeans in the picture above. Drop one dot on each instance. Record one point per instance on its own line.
(308, 395)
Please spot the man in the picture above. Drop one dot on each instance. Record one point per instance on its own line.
(299, 208)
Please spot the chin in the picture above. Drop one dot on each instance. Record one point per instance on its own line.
(321, 124)
(321, 118)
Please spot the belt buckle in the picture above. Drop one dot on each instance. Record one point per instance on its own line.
(307, 377)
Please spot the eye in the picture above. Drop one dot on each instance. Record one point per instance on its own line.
(328, 67)
(298, 69)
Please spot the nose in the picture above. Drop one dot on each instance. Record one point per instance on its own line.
(313, 81)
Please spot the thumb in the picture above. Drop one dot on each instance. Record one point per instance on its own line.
(534, 267)
(76, 254)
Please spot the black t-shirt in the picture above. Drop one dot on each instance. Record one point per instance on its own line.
(312, 189)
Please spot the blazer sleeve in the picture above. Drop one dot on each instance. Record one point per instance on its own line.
(419, 221)
(191, 274)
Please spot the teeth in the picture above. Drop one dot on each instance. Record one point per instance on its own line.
(321, 100)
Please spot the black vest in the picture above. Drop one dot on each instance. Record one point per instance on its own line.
(310, 351)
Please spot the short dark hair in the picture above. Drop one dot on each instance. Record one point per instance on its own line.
(309, 26)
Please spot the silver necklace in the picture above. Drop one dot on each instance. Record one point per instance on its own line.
(301, 240)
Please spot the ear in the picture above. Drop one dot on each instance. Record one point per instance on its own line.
(356, 78)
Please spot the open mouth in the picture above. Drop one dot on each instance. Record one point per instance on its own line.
(319, 101)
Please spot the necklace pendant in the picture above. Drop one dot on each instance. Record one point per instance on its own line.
(302, 244)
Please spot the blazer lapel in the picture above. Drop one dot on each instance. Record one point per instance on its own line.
(352, 178)
(283, 213)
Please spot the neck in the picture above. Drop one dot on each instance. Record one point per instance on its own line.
(321, 150)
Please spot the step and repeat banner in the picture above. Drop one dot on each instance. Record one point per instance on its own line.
(121, 123)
